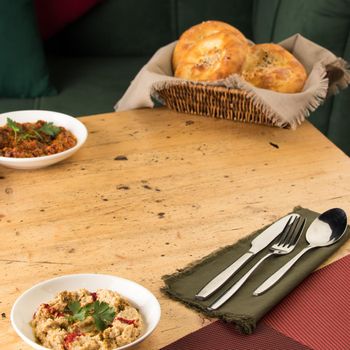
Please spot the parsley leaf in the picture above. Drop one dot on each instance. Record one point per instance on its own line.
(102, 313)
(14, 126)
(78, 312)
(74, 307)
(47, 128)
(50, 129)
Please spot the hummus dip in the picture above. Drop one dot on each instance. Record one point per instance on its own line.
(83, 320)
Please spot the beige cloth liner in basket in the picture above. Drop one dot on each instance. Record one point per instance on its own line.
(327, 74)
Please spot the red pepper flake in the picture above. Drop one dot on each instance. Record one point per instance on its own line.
(54, 312)
(124, 320)
(70, 337)
(94, 296)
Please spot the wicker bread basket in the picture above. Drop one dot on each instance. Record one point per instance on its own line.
(213, 101)
(235, 99)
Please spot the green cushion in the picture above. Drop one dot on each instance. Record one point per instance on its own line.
(118, 27)
(322, 21)
(23, 71)
(134, 27)
(264, 14)
(90, 85)
(339, 125)
(8, 104)
(235, 12)
(326, 22)
(85, 85)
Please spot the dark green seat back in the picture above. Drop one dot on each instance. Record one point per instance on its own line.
(140, 27)
(326, 22)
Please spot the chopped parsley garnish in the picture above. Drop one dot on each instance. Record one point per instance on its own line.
(77, 312)
(48, 128)
(102, 313)
(16, 128)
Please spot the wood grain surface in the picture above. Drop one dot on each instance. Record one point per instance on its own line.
(152, 191)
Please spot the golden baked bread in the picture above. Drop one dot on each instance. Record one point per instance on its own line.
(270, 66)
(214, 57)
(199, 32)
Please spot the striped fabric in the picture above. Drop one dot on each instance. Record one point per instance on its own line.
(315, 316)
(223, 336)
(317, 313)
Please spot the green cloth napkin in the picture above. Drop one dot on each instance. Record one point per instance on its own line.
(244, 309)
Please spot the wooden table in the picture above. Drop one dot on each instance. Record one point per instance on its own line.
(189, 185)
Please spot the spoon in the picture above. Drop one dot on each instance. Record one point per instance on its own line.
(325, 230)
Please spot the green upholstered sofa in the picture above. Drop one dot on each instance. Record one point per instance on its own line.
(92, 61)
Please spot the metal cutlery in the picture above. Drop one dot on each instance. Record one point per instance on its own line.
(258, 243)
(325, 230)
(286, 243)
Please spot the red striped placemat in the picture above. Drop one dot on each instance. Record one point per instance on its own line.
(223, 336)
(316, 315)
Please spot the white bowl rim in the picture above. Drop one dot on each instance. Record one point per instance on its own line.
(79, 143)
(87, 275)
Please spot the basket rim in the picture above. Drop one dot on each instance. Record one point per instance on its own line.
(199, 86)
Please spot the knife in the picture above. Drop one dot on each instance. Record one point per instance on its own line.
(257, 244)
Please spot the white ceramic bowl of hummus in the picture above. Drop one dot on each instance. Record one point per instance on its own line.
(27, 304)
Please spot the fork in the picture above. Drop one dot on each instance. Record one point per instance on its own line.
(286, 243)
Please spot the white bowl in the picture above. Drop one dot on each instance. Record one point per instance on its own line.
(59, 119)
(140, 297)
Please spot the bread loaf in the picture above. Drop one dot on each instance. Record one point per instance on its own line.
(270, 66)
(198, 32)
(213, 50)
(214, 57)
